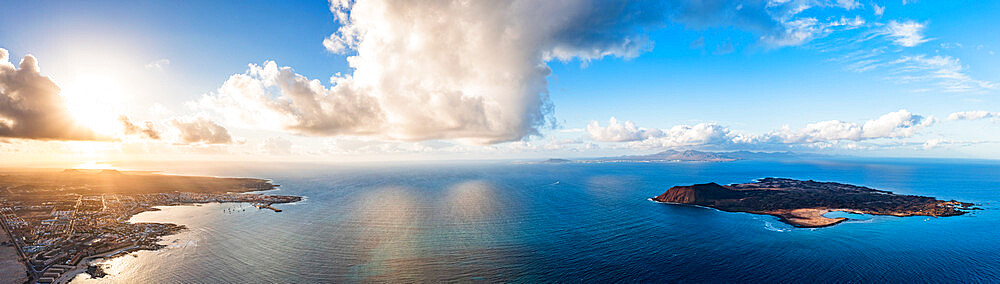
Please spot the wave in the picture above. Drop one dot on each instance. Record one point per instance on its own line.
(770, 227)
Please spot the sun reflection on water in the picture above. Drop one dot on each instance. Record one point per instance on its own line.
(471, 200)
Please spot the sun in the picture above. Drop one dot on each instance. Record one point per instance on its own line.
(95, 101)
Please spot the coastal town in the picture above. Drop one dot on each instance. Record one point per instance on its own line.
(54, 227)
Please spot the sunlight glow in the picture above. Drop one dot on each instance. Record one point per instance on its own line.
(95, 165)
(95, 100)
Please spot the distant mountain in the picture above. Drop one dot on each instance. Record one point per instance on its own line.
(699, 156)
(673, 155)
(686, 156)
(110, 173)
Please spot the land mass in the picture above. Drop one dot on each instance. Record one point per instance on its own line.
(114, 181)
(700, 156)
(670, 156)
(804, 203)
(56, 220)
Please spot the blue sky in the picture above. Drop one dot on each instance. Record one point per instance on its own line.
(750, 76)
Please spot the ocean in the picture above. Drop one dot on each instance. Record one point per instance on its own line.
(510, 222)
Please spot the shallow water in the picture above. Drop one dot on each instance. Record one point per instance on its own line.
(571, 222)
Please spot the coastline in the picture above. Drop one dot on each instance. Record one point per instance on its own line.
(816, 219)
(805, 203)
(808, 217)
(795, 223)
(162, 241)
(81, 267)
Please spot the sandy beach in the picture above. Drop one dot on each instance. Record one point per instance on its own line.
(808, 217)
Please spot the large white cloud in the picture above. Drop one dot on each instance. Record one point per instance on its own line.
(31, 107)
(617, 131)
(276, 97)
(440, 70)
(473, 70)
(677, 136)
(689, 135)
(898, 124)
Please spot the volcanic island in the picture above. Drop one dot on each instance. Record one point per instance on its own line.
(802, 203)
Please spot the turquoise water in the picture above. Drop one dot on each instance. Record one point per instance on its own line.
(570, 222)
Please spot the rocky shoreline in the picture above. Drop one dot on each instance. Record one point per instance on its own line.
(804, 203)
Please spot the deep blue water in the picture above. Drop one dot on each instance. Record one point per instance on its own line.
(572, 222)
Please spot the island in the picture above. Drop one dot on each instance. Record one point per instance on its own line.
(55, 221)
(803, 203)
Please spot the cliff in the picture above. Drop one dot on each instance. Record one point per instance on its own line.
(700, 194)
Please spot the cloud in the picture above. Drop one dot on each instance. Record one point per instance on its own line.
(147, 130)
(907, 33)
(31, 107)
(474, 71)
(276, 146)
(158, 65)
(934, 143)
(878, 10)
(899, 124)
(364, 145)
(848, 4)
(945, 72)
(200, 130)
(950, 45)
(571, 130)
(973, 115)
(689, 135)
(794, 30)
(941, 73)
(477, 70)
(863, 60)
(617, 131)
(278, 98)
(680, 135)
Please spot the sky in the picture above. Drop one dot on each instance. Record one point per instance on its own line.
(417, 80)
